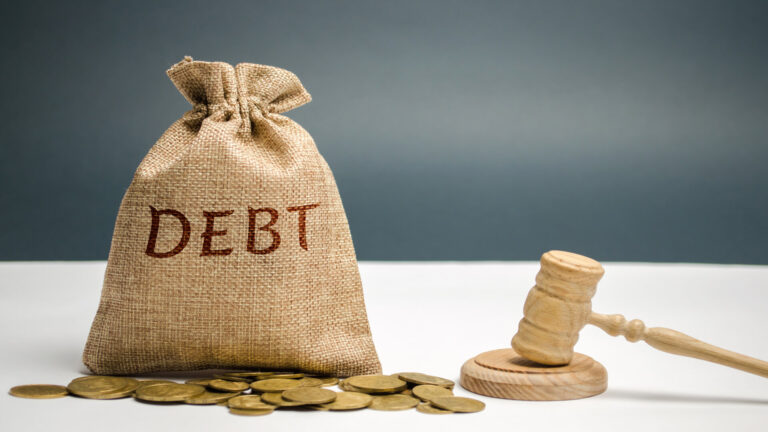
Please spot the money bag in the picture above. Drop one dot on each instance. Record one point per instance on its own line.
(231, 247)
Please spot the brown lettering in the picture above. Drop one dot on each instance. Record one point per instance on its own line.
(156, 227)
(268, 227)
(303, 222)
(209, 233)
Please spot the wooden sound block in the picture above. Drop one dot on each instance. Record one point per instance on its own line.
(503, 373)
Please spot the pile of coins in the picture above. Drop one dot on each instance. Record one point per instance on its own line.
(261, 393)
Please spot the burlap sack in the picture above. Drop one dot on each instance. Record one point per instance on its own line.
(231, 248)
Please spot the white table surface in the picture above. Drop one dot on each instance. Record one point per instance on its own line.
(431, 317)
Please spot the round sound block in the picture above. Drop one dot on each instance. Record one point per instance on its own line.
(503, 373)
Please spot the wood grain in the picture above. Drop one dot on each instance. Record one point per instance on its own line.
(674, 342)
(557, 307)
(505, 374)
(560, 305)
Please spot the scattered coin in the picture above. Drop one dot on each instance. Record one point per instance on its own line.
(227, 377)
(144, 383)
(228, 386)
(275, 385)
(377, 384)
(252, 374)
(395, 402)
(458, 404)
(310, 395)
(249, 402)
(210, 398)
(310, 382)
(172, 392)
(428, 408)
(272, 390)
(102, 387)
(251, 412)
(349, 401)
(126, 391)
(278, 400)
(39, 391)
(428, 392)
(286, 375)
(420, 378)
(344, 385)
(199, 381)
(328, 381)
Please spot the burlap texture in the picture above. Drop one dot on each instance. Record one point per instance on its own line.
(261, 295)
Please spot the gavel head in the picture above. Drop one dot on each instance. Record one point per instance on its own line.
(557, 307)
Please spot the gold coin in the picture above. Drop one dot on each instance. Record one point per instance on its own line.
(344, 385)
(395, 402)
(349, 401)
(227, 377)
(39, 391)
(102, 387)
(228, 386)
(278, 400)
(168, 392)
(377, 384)
(253, 402)
(199, 381)
(251, 412)
(408, 392)
(420, 378)
(328, 381)
(274, 385)
(249, 373)
(428, 408)
(257, 375)
(428, 392)
(310, 382)
(129, 390)
(286, 375)
(209, 398)
(97, 383)
(144, 383)
(458, 404)
(310, 395)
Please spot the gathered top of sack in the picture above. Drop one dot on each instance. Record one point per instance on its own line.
(231, 248)
(247, 91)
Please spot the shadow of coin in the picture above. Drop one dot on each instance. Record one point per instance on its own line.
(159, 403)
(296, 408)
(100, 400)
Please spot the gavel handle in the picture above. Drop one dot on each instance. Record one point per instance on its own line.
(674, 342)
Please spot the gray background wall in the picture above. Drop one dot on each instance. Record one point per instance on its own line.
(624, 130)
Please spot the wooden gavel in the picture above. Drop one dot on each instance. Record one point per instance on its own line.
(560, 305)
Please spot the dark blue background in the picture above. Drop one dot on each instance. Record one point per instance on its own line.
(624, 130)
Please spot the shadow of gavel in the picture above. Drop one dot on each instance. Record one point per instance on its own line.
(541, 364)
(560, 305)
